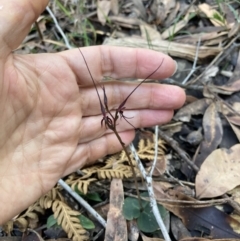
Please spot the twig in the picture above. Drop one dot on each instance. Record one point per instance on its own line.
(186, 203)
(83, 203)
(219, 57)
(194, 63)
(36, 233)
(170, 81)
(39, 32)
(155, 151)
(180, 152)
(59, 28)
(153, 202)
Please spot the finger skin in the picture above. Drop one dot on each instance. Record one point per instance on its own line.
(14, 12)
(118, 62)
(88, 153)
(147, 96)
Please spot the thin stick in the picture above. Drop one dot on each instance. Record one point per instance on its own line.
(155, 152)
(83, 203)
(153, 202)
(194, 63)
(176, 147)
(228, 49)
(59, 28)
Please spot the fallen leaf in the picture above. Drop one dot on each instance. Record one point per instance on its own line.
(116, 229)
(207, 221)
(178, 229)
(236, 129)
(145, 238)
(206, 239)
(149, 33)
(219, 173)
(195, 108)
(115, 7)
(231, 88)
(103, 8)
(213, 132)
(133, 230)
(213, 15)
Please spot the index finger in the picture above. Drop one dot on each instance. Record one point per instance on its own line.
(118, 62)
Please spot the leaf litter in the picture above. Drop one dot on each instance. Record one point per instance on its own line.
(197, 177)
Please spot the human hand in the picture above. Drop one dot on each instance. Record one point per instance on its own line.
(50, 122)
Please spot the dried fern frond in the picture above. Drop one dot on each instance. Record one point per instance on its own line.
(66, 217)
(89, 171)
(119, 172)
(46, 200)
(31, 214)
(82, 185)
(146, 149)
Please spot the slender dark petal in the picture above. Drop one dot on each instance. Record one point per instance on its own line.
(124, 102)
(101, 105)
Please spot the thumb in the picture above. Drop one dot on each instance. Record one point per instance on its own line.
(16, 18)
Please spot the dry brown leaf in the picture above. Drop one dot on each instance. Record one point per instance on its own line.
(219, 173)
(206, 239)
(233, 87)
(213, 133)
(115, 7)
(171, 31)
(160, 167)
(211, 13)
(103, 8)
(194, 108)
(172, 14)
(116, 229)
(174, 49)
(179, 230)
(133, 230)
(149, 33)
(194, 38)
(236, 129)
(139, 9)
(208, 221)
(235, 194)
(145, 238)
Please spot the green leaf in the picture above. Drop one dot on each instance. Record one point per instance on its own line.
(51, 221)
(94, 197)
(147, 222)
(131, 209)
(85, 222)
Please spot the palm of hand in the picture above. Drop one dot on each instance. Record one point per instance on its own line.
(40, 122)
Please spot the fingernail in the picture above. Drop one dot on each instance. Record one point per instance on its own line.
(176, 67)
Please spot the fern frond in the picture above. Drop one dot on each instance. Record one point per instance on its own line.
(119, 172)
(31, 213)
(82, 185)
(8, 227)
(45, 201)
(66, 217)
(22, 223)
